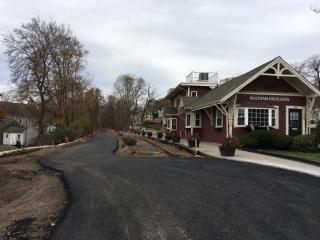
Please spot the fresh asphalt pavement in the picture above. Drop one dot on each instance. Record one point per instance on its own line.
(117, 197)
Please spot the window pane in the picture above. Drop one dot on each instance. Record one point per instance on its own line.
(273, 118)
(197, 120)
(241, 117)
(258, 117)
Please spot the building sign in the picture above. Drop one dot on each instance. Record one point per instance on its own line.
(270, 98)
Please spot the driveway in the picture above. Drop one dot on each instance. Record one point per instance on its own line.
(173, 198)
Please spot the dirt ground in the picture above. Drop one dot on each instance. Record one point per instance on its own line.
(32, 198)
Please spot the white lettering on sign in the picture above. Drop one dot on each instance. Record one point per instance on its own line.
(270, 98)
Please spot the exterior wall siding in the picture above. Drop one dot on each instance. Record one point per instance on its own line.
(200, 90)
(269, 83)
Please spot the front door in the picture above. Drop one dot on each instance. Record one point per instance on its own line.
(295, 122)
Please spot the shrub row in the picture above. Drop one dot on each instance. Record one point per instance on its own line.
(129, 141)
(269, 139)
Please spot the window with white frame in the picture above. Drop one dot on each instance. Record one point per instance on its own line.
(273, 118)
(173, 124)
(241, 117)
(168, 123)
(188, 120)
(194, 94)
(219, 119)
(197, 122)
(259, 117)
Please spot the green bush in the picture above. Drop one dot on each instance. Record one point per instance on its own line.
(61, 134)
(129, 141)
(248, 141)
(317, 132)
(168, 136)
(281, 141)
(159, 135)
(175, 137)
(18, 144)
(264, 138)
(231, 142)
(304, 143)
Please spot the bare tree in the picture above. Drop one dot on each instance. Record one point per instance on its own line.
(149, 98)
(68, 58)
(315, 9)
(310, 69)
(46, 62)
(129, 89)
(30, 63)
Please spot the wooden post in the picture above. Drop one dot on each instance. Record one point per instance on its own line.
(309, 112)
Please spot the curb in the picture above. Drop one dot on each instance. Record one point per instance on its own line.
(31, 149)
(69, 196)
(297, 159)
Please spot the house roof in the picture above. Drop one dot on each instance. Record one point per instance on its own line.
(188, 102)
(224, 91)
(14, 130)
(170, 111)
(19, 109)
(181, 87)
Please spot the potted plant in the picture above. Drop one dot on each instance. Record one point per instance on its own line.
(228, 148)
(149, 134)
(193, 139)
(175, 137)
(159, 135)
(168, 136)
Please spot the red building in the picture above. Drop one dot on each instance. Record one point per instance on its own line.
(271, 96)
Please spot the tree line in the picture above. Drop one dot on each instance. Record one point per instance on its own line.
(47, 64)
(133, 98)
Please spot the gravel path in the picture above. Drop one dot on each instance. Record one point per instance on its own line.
(118, 197)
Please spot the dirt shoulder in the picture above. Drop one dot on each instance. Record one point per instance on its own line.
(149, 147)
(32, 198)
(142, 148)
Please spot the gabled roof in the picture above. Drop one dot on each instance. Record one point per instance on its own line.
(19, 109)
(181, 87)
(170, 111)
(14, 130)
(188, 102)
(231, 87)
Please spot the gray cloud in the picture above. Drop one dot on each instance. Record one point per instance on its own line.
(163, 41)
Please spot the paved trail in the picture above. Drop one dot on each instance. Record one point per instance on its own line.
(166, 198)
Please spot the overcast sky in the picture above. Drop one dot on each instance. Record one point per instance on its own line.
(163, 41)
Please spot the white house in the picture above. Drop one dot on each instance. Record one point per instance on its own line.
(14, 134)
(26, 136)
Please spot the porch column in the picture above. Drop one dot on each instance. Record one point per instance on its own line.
(228, 110)
(192, 122)
(309, 112)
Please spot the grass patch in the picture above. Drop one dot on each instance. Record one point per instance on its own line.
(7, 148)
(310, 156)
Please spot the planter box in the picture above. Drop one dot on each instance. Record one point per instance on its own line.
(176, 139)
(191, 143)
(227, 151)
(167, 138)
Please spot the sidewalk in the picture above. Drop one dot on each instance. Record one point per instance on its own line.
(212, 149)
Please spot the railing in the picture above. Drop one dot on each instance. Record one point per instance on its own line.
(202, 77)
